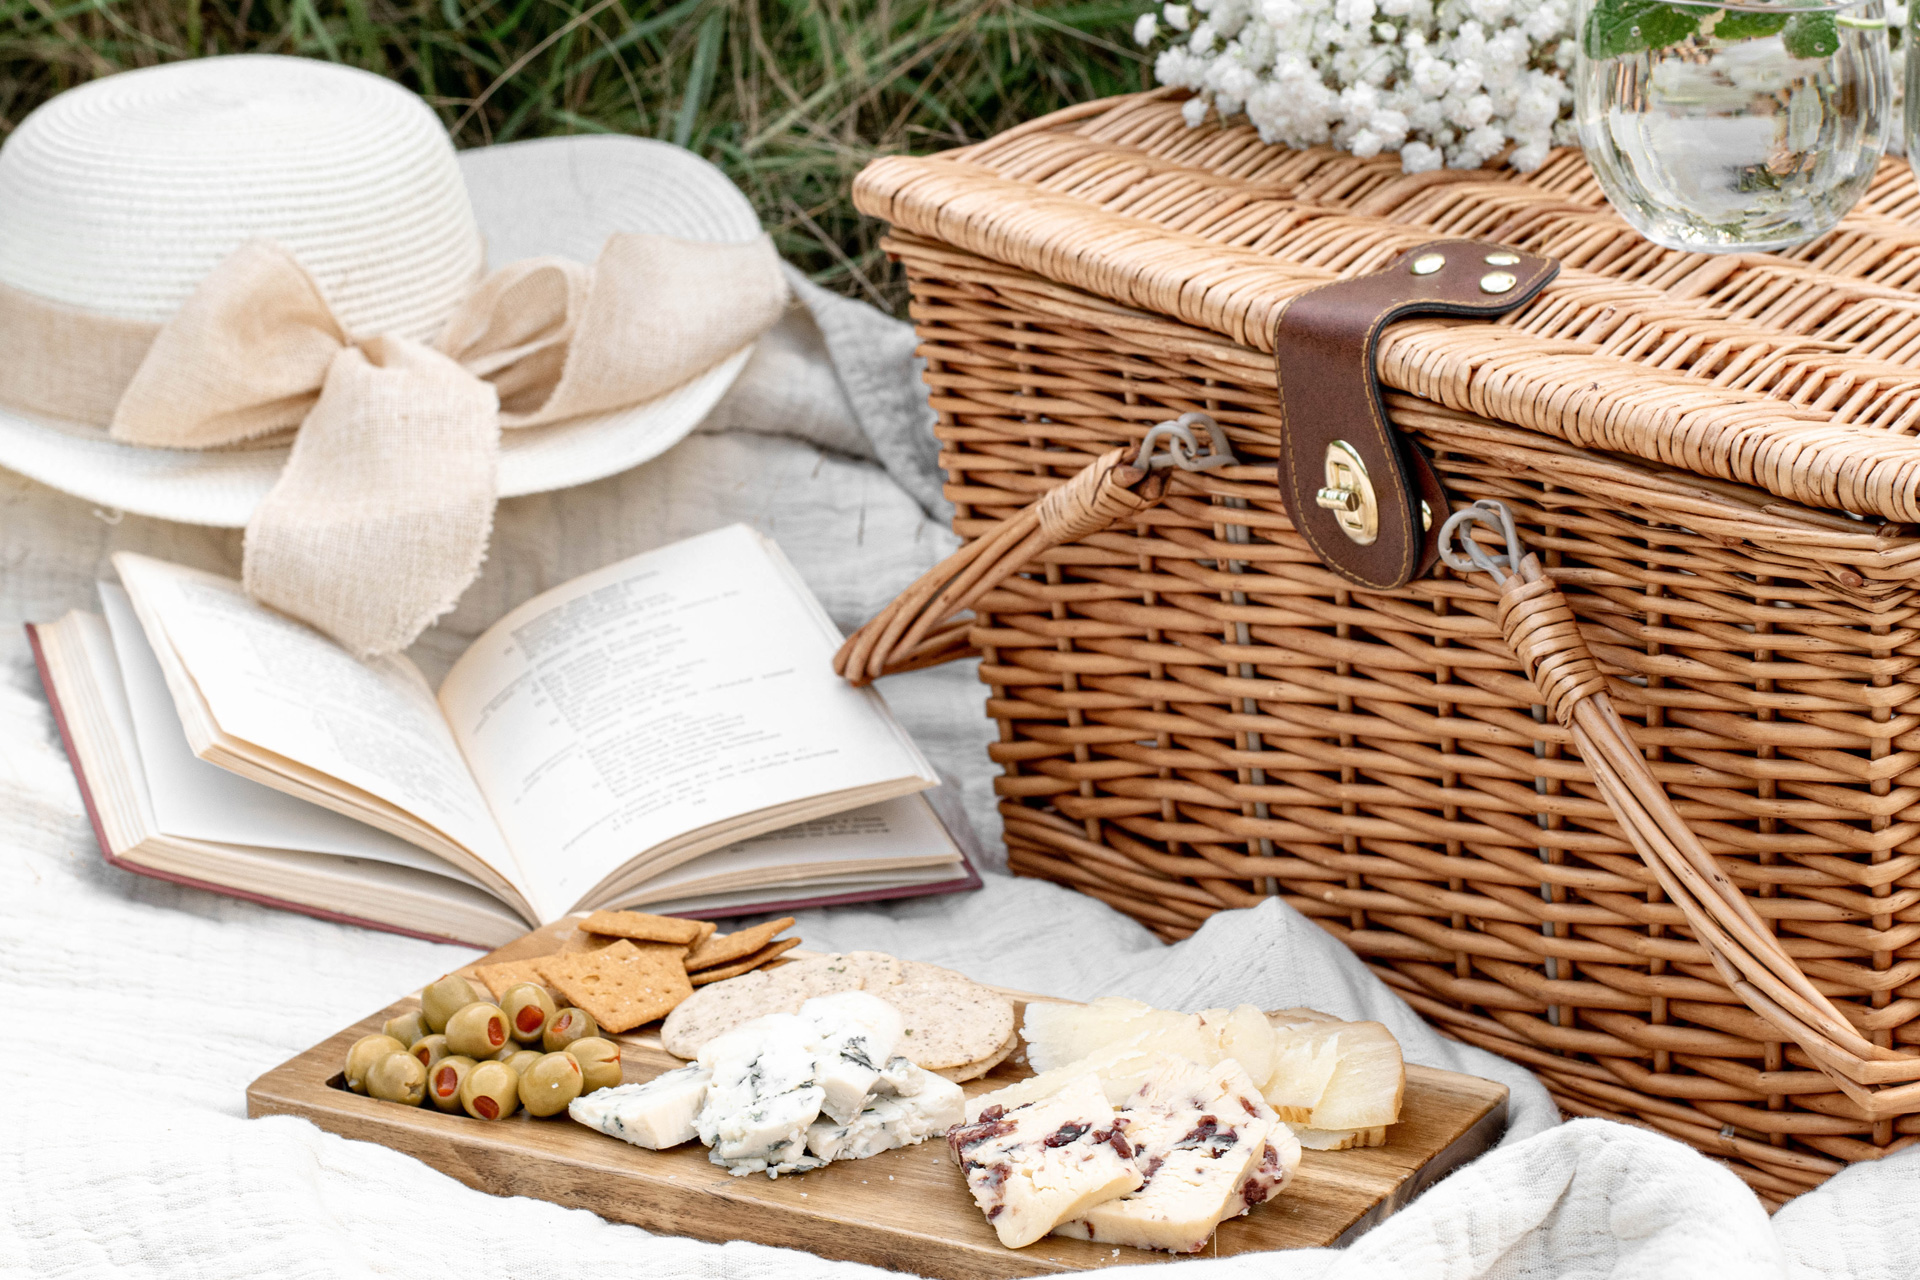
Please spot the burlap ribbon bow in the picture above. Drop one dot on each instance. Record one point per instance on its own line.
(381, 518)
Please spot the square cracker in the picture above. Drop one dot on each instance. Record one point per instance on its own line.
(729, 947)
(622, 985)
(722, 972)
(504, 974)
(638, 926)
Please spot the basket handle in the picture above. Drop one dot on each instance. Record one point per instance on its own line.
(1540, 626)
(918, 629)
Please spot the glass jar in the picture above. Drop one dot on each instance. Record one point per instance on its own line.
(1737, 128)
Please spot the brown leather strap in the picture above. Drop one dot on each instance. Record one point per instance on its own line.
(1329, 394)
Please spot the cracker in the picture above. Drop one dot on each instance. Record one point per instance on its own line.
(919, 971)
(815, 976)
(638, 926)
(876, 968)
(974, 1070)
(738, 967)
(729, 947)
(506, 974)
(580, 942)
(707, 930)
(718, 1008)
(623, 985)
(949, 1024)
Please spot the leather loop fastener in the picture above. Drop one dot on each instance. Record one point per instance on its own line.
(1352, 484)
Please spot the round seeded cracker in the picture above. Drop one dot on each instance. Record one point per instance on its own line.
(815, 976)
(949, 1024)
(718, 1008)
(974, 1070)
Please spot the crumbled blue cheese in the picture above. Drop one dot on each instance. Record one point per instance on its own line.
(791, 1091)
(854, 1036)
(918, 1106)
(656, 1115)
(762, 1097)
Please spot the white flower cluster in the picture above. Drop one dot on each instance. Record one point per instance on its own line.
(1452, 82)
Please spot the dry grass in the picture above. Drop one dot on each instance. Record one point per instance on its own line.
(789, 97)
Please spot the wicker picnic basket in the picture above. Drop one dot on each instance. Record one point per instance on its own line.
(1668, 856)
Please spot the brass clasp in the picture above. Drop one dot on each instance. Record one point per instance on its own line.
(1348, 493)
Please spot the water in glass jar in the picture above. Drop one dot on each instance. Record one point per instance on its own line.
(1732, 129)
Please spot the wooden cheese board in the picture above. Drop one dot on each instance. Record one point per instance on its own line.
(906, 1210)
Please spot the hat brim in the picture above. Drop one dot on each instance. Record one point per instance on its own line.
(561, 196)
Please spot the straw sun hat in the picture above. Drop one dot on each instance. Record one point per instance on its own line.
(265, 292)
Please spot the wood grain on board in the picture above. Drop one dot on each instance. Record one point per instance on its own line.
(907, 1210)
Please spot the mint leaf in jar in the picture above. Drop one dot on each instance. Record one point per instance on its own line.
(1736, 25)
(1616, 28)
(1811, 35)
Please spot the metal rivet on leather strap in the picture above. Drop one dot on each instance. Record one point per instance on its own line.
(1497, 282)
(1428, 263)
(1502, 259)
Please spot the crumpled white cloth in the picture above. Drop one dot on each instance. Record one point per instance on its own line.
(136, 1012)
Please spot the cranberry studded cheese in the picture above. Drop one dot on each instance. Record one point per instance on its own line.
(1032, 1167)
(1208, 1148)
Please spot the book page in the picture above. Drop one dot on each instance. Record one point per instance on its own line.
(194, 800)
(677, 689)
(286, 689)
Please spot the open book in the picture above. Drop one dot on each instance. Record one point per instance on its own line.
(666, 732)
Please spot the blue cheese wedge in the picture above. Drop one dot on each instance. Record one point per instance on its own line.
(762, 1097)
(656, 1115)
(926, 1105)
(1208, 1148)
(1032, 1167)
(854, 1037)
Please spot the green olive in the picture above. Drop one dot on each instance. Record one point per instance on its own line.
(528, 1007)
(507, 1050)
(477, 1031)
(599, 1062)
(398, 1077)
(491, 1091)
(407, 1028)
(566, 1026)
(442, 999)
(550, 1082)
(522, 1059)
(429, 1049)
(444, 1081)
(366, 1051)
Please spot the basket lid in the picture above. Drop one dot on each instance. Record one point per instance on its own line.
(1796, 374)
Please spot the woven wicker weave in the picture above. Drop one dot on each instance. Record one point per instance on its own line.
(1195, 715)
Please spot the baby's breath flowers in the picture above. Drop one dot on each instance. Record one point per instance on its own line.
(1453, 82)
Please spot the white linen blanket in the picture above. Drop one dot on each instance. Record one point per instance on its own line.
(136, 1012)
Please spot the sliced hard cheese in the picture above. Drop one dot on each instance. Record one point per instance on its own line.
(1366, 1087)
(1336, 1075)
(656, 1115)
(1200, 1136)
(1034, 1166)
(1119, 1068)
(1305, 1058)
(1060, 1034)
(1339, 1139)
(1244, 1036)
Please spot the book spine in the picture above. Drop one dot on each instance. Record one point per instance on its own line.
(106, 847)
